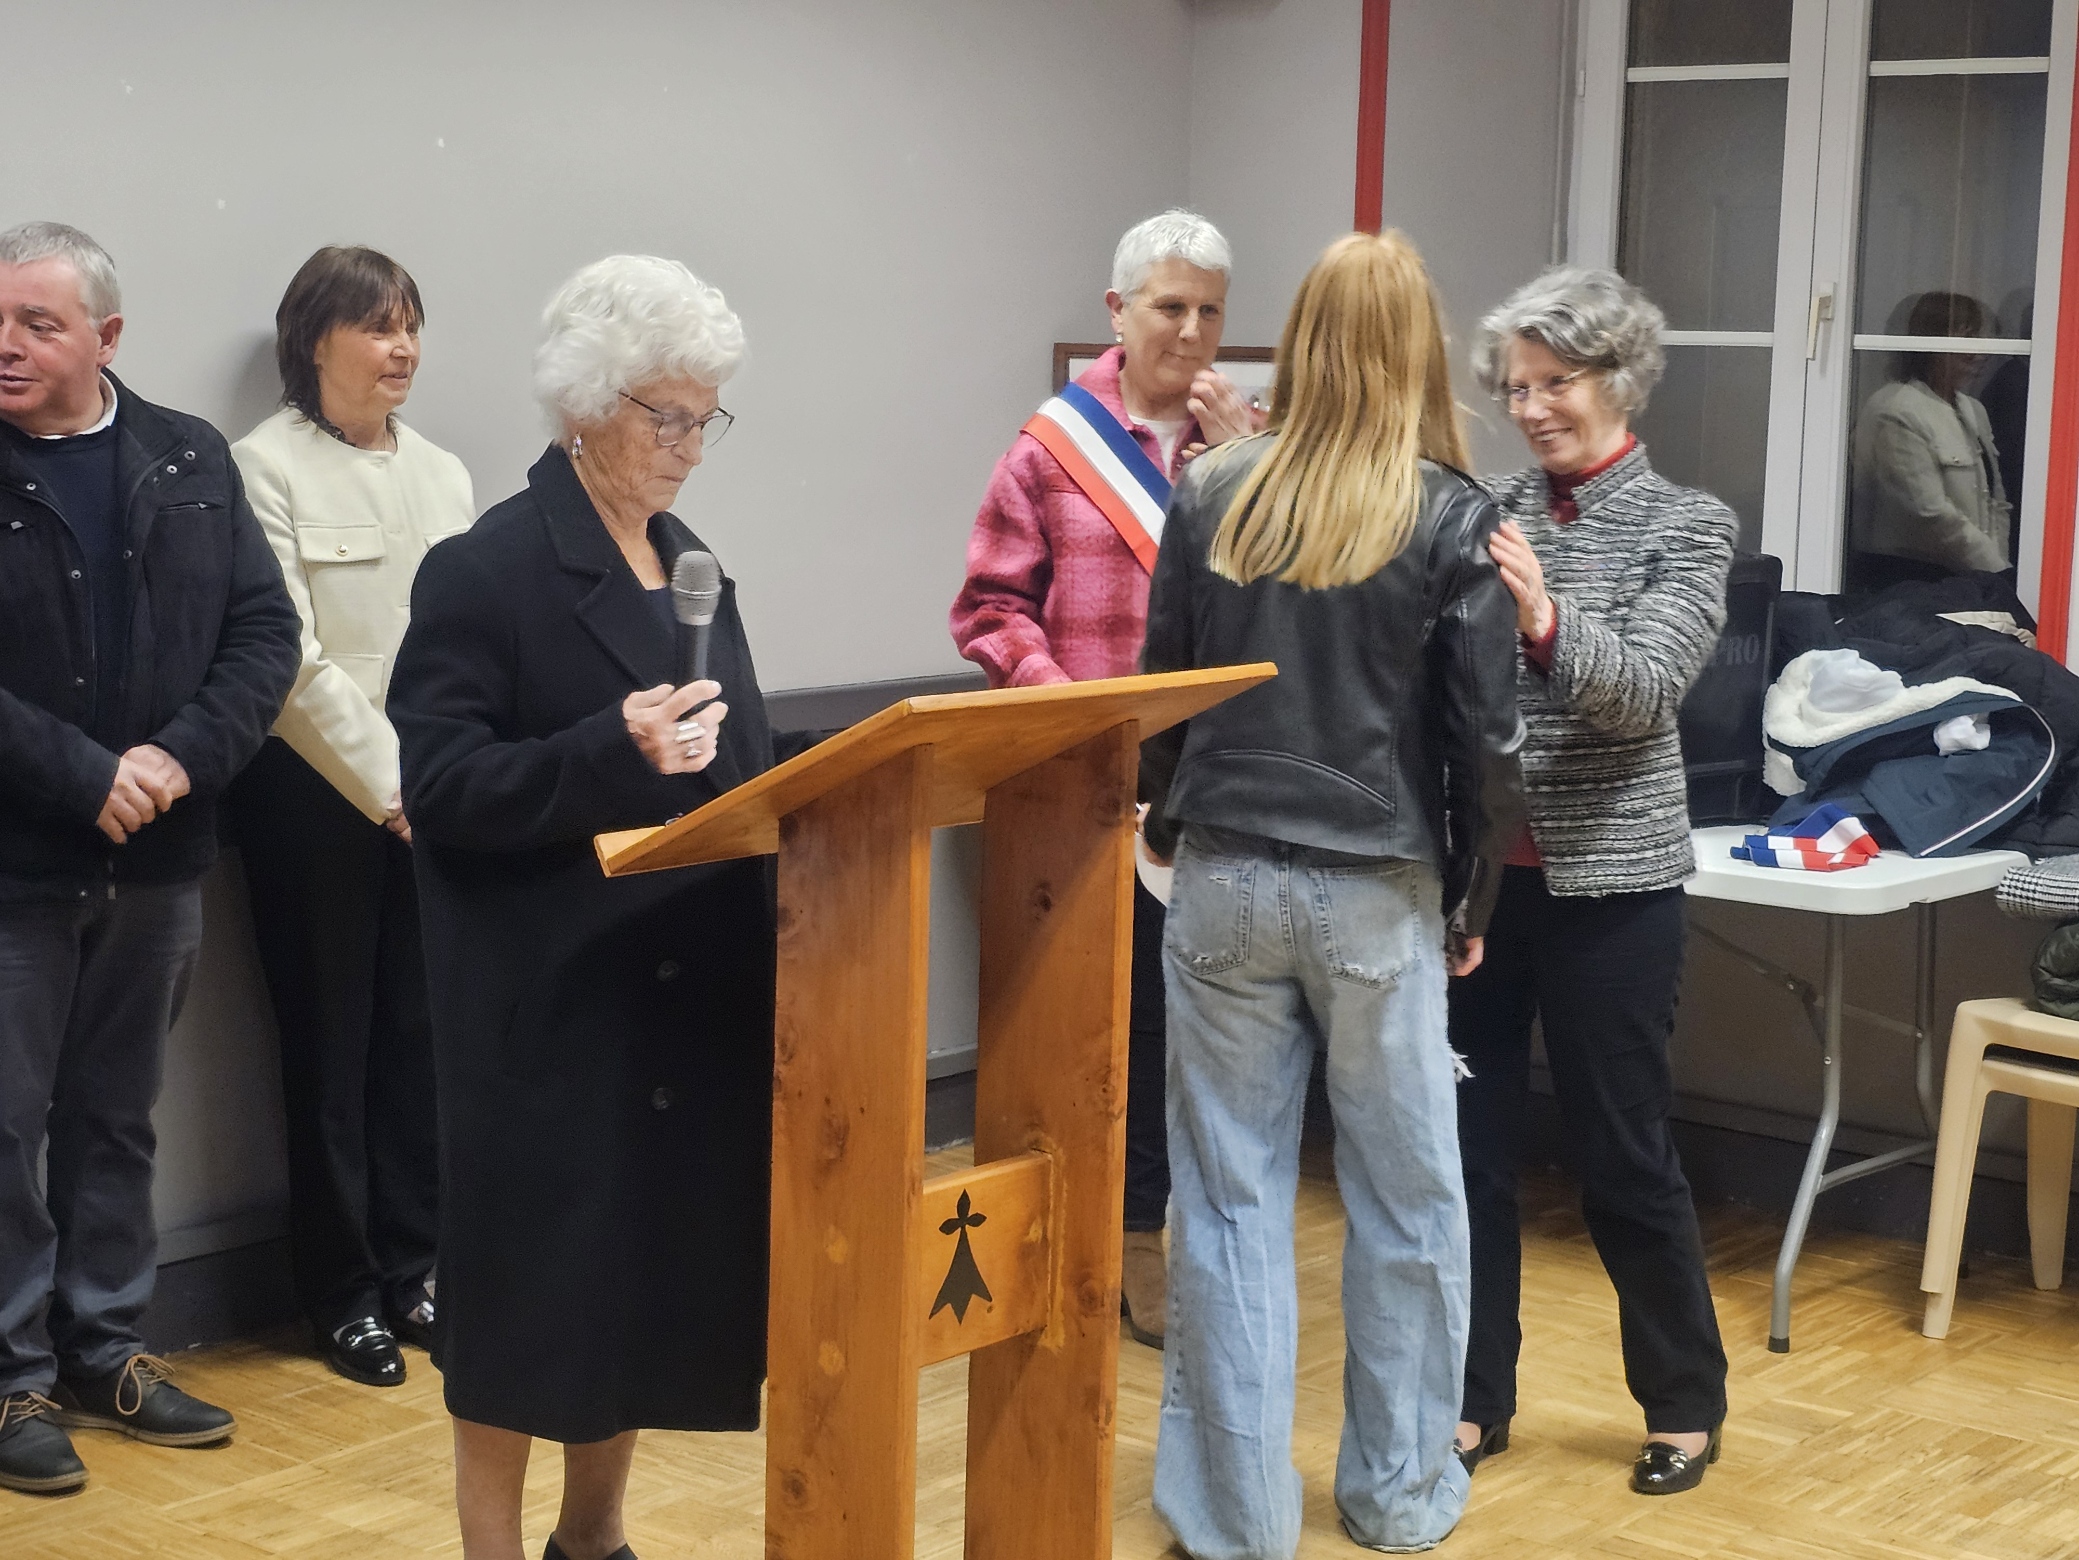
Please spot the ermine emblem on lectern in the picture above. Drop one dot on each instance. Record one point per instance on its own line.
(963, 1279)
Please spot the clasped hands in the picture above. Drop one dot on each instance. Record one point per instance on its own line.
(676, 738)
(148, 780)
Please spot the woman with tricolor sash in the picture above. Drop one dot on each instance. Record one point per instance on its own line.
(1057, 588)
(1337, 835)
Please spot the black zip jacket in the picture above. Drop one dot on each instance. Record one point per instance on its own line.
(1391, 728)
(213, 649)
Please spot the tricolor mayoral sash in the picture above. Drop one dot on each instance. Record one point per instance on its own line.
(1103, 460)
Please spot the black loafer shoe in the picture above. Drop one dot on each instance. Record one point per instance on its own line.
(414, 1326)
(1663, 1469)
(137, 1400)
(363, 1351)
(1494, 1440)
(554, 1551)
(36, 1456)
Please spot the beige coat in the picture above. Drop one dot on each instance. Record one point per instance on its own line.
(1927, 480)
(349, 527)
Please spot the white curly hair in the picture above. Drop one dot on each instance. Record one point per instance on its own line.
(624, 321)
(1588, 318)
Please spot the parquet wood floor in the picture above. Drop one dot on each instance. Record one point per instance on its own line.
(1868, 1441)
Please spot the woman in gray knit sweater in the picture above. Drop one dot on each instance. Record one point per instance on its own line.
(1619, 580)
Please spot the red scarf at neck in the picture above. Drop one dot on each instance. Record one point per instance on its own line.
(1561, 485)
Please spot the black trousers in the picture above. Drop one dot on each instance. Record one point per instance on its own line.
(1601, 976)
(1147, 1124)
(337, 919)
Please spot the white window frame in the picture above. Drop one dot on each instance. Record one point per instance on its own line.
(1805, 486)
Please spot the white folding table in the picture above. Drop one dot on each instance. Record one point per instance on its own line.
(1893, 881)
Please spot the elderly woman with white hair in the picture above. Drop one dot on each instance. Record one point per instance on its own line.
(604, 1048)
(1619, 580)
(1058, 567)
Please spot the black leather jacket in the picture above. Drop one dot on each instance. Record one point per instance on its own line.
(1391, 728)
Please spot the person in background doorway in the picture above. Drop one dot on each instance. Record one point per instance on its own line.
(1057, 589)
(350, 498)
(1927, 497)
(146, 644)
(1619, 579)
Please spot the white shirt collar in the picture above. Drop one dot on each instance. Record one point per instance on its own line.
(108, 413)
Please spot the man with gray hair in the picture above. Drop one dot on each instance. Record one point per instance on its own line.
(146, 644)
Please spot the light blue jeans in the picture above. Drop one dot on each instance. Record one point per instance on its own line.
(1271, 952)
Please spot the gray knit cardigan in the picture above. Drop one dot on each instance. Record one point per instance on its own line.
(1638, 581)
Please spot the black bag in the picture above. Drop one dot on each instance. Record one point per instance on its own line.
(1721, 718)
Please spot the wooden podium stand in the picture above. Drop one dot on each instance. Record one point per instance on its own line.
(876, 1273)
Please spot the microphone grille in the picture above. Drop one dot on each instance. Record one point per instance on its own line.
(696, 587)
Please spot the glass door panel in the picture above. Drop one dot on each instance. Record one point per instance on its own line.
(1949, 210)
(1681, 32)
(1706, 105)
(1708, 427)
(1703, 199)
(1958, 29)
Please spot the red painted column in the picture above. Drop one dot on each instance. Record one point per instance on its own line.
(1371, 115)
(2061, 499)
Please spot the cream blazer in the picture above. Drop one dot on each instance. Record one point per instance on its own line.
(349, 526)
(1927, 480)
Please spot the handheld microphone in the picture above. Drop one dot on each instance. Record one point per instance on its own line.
(696, 591)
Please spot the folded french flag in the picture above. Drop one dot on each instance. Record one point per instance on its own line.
(1825, 840)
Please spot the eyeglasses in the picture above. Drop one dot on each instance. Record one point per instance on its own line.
(674, 426)
(1552, 391)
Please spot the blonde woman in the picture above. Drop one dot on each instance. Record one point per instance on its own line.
(1337, 835)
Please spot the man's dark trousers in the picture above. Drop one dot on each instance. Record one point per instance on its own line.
(89, 988)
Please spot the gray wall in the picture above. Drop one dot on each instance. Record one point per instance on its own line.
(1273, 143)
(907, 201)
(1475, 139)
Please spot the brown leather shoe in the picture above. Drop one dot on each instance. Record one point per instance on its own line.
(1144, 1287)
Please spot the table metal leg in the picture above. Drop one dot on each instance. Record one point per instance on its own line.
(1825, 1009)
(1812, 1182)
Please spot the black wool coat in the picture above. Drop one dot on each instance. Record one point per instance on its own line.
(604, 1048)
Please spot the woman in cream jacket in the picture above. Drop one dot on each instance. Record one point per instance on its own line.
(351, 499)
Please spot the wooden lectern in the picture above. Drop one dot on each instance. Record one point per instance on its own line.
(876, 1273)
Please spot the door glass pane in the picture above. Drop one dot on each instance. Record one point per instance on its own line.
(1958, 29)
(1703, 193)
(1682, 32)
(1935, 460)
(1707, 427)
(1952, 176)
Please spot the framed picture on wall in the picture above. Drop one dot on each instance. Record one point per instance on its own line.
(1249, 367)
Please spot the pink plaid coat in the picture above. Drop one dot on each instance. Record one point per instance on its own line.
(1053, 594)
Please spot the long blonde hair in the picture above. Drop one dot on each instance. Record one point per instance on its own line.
(1363, 390)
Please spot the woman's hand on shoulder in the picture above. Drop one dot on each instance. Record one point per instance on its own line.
(663, 723)
(1525, 577)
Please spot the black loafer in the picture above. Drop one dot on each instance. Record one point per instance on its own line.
(137, 1400)
(363, 1351)
(36, 1456)
(414, 1326)
(1663, 1469)
(1494, 1440)
(554, 1551)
